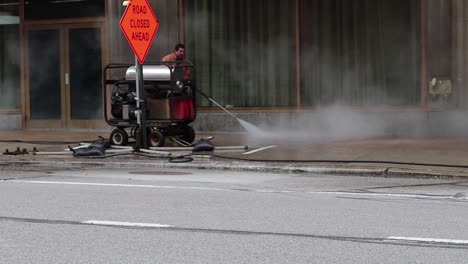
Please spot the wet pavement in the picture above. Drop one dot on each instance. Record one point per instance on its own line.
(425, 157)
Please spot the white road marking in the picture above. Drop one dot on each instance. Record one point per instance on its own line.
(258, 150)
(429, 240)
(126, 224)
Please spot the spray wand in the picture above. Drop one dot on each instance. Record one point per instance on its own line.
(247, 126)
(207, 97)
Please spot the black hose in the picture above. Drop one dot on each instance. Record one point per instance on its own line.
(181, 159)
(347, 161)
(176, 159)
(120, 154)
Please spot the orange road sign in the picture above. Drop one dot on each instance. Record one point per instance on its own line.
(139, 25)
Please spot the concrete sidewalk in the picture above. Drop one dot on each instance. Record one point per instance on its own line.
(435, 157)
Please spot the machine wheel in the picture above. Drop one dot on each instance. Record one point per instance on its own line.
(156, 139)
(119, 137)
(189, 134)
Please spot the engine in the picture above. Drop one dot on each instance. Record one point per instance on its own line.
(123, 105)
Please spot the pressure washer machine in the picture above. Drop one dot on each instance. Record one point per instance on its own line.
(168, 98)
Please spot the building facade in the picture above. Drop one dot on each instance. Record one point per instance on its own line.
(259, 58)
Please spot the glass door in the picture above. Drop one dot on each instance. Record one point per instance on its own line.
(44, 67)
(64, 67)
(83, 77)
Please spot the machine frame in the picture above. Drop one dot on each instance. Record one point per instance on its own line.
(169, 103)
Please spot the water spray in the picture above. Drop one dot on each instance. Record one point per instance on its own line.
(249, 127)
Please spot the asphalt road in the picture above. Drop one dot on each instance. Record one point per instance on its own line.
(99, 215)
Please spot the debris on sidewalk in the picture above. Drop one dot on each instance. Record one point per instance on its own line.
(18, 151)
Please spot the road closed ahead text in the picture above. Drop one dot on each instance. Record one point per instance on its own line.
(140, 23)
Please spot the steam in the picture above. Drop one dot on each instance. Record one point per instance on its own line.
(335, 123)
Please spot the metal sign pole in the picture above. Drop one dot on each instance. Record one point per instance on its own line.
(139, 10)
(141, 115)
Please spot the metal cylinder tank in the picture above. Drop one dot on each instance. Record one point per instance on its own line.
(150, 73)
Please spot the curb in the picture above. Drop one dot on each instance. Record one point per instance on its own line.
(328, 169)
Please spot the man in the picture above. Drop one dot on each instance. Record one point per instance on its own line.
(177, 58)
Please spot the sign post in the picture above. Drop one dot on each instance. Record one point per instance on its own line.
(140, 25)
(141, 106)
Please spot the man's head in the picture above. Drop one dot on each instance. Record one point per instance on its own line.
(179, 51)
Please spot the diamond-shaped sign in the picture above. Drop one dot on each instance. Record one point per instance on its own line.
(139, 25)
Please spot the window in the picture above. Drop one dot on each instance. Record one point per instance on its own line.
(360, 52)
(55, 9)
(10, 89)
(243, 51)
